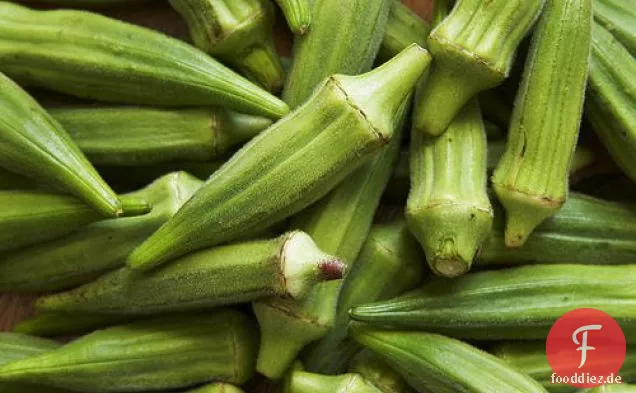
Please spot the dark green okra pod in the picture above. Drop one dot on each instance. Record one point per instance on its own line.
(448, 208)
(473, 50)
(287, 266)
(389, 264)
(485, 305)
(86, 3)
(585, 231)
(404, 27)
(237, 32)
(293, 163)
(434, 363)
(67, 324)
(531, 179)
(611, 95)
(217, 388)
(619, 18)
(100, 247)
(65, 53)
(530, 358)
(134, 136)
(375, 370)
(163, 353)
(306, 382)
(297, 13)
(345, 37)
(29, 217)
(33, 144)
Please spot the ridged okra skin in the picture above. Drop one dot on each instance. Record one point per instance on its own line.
(217, 388)
(345, 37)
(65, 53)
(297, 13)
(530, 358)
(306, 382)
(473, 50)
(485, 305)
(434, 363)
(287, 266)
(67, 324)
(137, 136)
(585, 231)
(448, 208)
(375, 370)
(86, 3)
(531, 179)
(404, 27)
(611, 95)
(293, 163)
(339, 223)
(237, 32)
(618, 18)
(31, 216)
(84, 255)
(168, 352)
(389, 264)
(33, 144)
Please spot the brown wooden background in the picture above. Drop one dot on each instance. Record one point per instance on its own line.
(14, 308)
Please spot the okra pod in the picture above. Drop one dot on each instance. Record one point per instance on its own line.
(306, 382)
(531, 179)
(434, 363)
(33, 144)
(297, 13)
(614, 388)
(135, 136)
(237, 32)
(585, 231)
(530, 358)
(287, 266)
(485, 305)
(345, 38)
(404, 27)
(66, 54)
(164, 353)
(375, 370)
(448, 208)
(217, 388)
(13, 181)
(473, 50)
(29, 217)
(67, 324)
(620, 19)
(86, 3)
(264, 183)
(610, 103)
(389, 264)
(98, 248)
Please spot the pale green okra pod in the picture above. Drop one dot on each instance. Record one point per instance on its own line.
(619, 18)
(293, 163)
(404, 27)
(297, 13)
(375, 370)
(306, 382)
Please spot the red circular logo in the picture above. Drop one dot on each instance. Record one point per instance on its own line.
(586, 348)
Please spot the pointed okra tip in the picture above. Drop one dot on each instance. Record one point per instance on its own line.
(524, 213)
(303, 265)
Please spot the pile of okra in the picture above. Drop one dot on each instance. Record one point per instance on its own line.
(401, 205)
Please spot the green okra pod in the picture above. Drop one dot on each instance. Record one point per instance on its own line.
(339, 223)
(531, 179)
(84, 255)
(585, 231)
(485, 305)
(217, 388)
(448, 208)
(434, 363)
(136, 136)
(297, 13)
(287, 266)
(306, 382)
(293, 163)
(611, 95)
(65, 53)
(237, 32)
(163, 353)
(345, 38)
(404, 27)
(614, 388)
(620, 19)
(86, 3)
(530, 358)
(33, 144)
(29, 217)
(67, 324)
(389, 264)
(375, 370)
(13, 181)
(473, 50)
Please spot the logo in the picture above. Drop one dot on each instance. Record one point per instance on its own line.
(586, 348)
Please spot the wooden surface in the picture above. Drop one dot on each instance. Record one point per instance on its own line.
(14, 308)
